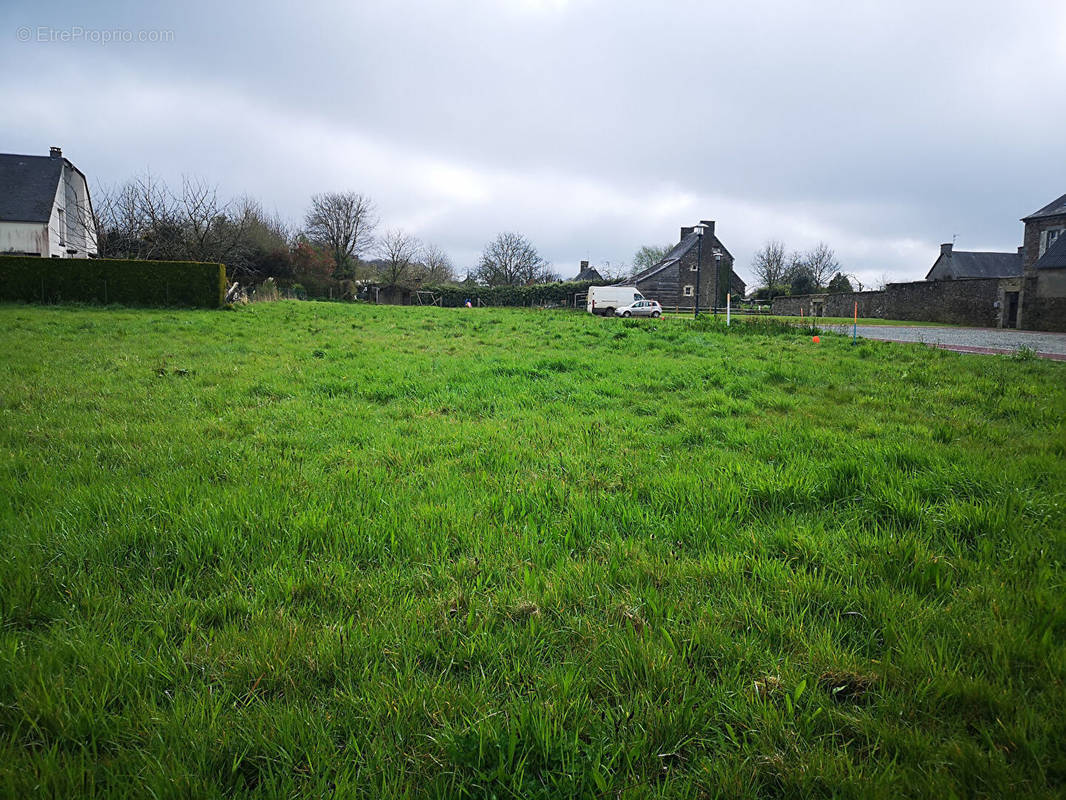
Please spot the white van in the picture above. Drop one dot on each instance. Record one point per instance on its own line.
(605, 299)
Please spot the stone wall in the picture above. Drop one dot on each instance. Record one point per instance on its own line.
(1044, 300)
(971, 301)
(871, 304)
(961, 302)
(1045, 314)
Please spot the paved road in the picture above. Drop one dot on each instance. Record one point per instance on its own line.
(968, 340)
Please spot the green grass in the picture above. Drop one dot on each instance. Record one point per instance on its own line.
(326, 550)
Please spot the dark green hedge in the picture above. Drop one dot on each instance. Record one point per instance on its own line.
(540, 294)
(101, 280)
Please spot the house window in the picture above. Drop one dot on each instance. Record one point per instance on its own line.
(62, 226)
(1049, 238)
(688, 290)
(693, 267)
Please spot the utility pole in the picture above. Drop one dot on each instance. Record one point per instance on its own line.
(698, 229)
(717, 269)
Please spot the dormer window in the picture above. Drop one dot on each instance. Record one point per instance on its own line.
(1048, 237)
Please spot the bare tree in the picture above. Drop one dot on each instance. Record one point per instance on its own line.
(613, 273)
(770, 265)
(436, 268)
(144, 219)
(264, 247)
(511, 260)
(104, 214)
(343, 223)
(138, 220)
(211, 230)
(822, 264)
(649, 255)
(263, 225)
(399, 251)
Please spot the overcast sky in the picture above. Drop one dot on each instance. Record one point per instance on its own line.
(591, 126)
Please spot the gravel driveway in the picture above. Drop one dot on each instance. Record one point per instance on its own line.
(968, 340)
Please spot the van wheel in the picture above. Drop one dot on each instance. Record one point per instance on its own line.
(608, 312)
(655, 314)
(626, 314)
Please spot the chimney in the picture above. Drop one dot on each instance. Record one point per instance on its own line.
(55, 152)
(584, 265)
(1021, 249)
(685, 231)
(945, 249)
(709, 223)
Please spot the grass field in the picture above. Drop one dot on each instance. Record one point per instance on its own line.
(326, 550)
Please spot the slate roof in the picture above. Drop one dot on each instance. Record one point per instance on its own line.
(1055, 256)
(28, 187)
(652, 270)
(676, 254)
(671, 258)
(588, 274)
(963, 264)
(1052, 209)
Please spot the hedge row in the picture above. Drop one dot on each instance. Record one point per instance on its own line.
(541, 294)
(32, 279)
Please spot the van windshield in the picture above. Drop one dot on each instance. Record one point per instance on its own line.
(638, 296)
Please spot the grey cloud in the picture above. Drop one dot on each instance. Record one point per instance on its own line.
(591, 126)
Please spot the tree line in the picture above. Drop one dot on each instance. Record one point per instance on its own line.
(340, 245)
(780, 272)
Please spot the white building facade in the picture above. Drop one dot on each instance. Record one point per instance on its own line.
(45, 207)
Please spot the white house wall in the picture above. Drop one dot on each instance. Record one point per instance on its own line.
(78, 232)
(88, 227)
(24, 237)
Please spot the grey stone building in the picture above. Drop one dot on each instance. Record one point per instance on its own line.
(1042, 229)
(960, 264)
(1025, 290)
(672, 281)
(587, 273)
(1040, 294)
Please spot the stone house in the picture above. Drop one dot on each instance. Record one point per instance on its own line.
(1040, 293)
(587, 273)
(45, 208)
(1025, 290)
(961, 264)
(672, 281)
(1042, 229)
